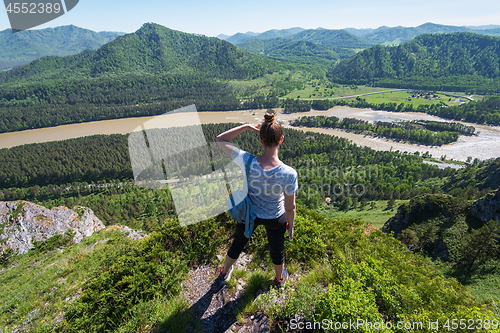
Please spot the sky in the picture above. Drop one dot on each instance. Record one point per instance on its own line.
(212, 18)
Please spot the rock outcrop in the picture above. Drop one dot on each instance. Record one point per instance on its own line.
(21, 222)
(425, 207)
(487, 208)
(436, 223)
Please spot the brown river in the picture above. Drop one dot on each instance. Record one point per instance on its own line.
(483, 146)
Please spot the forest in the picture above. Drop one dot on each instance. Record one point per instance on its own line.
(31, 171)
(431, 133)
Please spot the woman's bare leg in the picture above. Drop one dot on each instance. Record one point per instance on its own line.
(227, 264)
(279, 271)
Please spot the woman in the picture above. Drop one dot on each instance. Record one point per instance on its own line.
(271, 187)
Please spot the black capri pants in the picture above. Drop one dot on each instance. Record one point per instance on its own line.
(275, 229)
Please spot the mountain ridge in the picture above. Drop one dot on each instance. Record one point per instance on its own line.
(382, 35)
(152, 49)
(241, 37)
(458, 61)
(296, 50)
(26, 46)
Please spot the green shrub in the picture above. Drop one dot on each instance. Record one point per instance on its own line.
(144, 271)
(54, 242)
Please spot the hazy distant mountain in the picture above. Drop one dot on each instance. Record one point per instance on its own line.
(153, 49)
(239, 38)
(326, 37)
(279, 33)
(359, 32)
(274, 33)
(301, 51)
(25, 46)
(483, 27)
(338, 38)
(399, 35)
(382, 35)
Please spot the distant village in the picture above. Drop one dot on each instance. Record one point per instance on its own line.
(432, 95)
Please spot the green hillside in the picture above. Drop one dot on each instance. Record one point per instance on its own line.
(302, 51)
(338, 38)
(450, 62)
(28, 45)
(152, 49)
(461, 236)
(109, 283)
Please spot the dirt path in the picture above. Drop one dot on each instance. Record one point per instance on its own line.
(214, 302)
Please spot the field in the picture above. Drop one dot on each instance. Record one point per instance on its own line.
(316, 89)
(376, 215)
(416, 98)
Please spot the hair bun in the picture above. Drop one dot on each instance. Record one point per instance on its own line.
(269, 117)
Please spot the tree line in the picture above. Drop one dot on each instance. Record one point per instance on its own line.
(486, 111)
(431, 133)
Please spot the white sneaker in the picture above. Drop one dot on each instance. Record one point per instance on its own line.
(227, 276)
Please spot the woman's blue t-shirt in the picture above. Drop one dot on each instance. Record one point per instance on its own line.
(266, 187)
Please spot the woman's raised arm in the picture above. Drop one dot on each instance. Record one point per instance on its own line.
(224, 139)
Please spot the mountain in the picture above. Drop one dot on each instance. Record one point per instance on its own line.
(240, 38)
(152, 49)
(296, 51)
(25, 46)
(274, 33)
(459, 61)
(399, 35)
(483, 27)
(148, 72)
(222, 36)
(382, 35)
(338, 38)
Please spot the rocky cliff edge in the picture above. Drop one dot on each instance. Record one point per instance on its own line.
(21, 222)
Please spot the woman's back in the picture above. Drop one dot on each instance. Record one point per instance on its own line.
(267, 186)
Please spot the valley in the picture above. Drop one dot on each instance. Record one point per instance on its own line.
(484, 146)
(385, 230)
